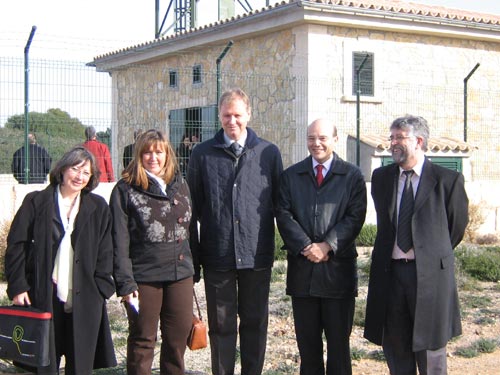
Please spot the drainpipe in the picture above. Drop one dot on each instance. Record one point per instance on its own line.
(466, 79)
(358, 93)
(26, 106)
(219, 78)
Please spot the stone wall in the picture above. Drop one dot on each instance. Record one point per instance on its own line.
(296, 75)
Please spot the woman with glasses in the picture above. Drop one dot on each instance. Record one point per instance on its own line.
(153, 266)
(59, 259)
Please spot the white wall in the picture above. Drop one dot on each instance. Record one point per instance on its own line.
(12, 195)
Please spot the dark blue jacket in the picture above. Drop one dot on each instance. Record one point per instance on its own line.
(234, 201)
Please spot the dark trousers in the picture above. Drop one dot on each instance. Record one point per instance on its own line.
(313, 316)
(243, 293)
(171, 303)
(398, 332)
(63, 329)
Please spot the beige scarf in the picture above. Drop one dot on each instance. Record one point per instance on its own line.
(62, 275)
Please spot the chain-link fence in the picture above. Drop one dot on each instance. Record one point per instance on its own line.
(64, 97)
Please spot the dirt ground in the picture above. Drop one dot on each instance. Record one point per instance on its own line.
(480, 320)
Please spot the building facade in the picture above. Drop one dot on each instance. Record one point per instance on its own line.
(299, 60)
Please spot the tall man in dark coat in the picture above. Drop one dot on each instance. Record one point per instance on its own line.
(321, 210)
(233, 179)
(412, 307)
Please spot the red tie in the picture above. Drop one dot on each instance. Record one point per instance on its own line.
(319, 174)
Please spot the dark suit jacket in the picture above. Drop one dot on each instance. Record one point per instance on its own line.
(439, 221)
(334, 213)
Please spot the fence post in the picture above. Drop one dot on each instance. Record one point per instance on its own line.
(26, 105)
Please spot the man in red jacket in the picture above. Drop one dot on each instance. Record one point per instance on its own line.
(101, 154)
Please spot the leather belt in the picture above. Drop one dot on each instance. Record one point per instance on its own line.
(403, 260)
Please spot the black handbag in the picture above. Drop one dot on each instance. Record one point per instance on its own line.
(24, 335)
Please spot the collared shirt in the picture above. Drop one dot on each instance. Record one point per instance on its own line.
(158, 179)
(397, 253)
(326, 165)
(241, 141)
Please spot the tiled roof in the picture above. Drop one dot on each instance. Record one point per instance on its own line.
(405, 7)
(443, 144)
(391, 6)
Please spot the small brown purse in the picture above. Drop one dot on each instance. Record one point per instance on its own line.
(197, 338)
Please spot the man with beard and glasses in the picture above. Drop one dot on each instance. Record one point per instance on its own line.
(422, 212)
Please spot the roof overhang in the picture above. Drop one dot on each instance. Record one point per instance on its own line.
(288, 15)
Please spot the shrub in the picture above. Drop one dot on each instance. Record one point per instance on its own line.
(279, 254)
(279, 271)
(4, 232)
(358, 354)
(476, 219)
(480, 346)
(486, 345)
(359, 312)
(486, 239)
(467, 352)
(377, 355)
(367, 235)
(481, 263)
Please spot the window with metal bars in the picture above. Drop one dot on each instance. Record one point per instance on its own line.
(366, 74)
(172, 76)
(196, 74)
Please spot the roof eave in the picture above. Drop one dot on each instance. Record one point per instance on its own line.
(288, 15)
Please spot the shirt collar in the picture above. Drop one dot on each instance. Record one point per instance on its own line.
(159, 180)
(417, 169)
(241, 141)
(326, 165)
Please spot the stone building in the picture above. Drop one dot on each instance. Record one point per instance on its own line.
(299, 60)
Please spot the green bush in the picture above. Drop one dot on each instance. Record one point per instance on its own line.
(358, 354)
(279, 254)
(481, 263)
(477, 347)
(367, 235)
(359, 312)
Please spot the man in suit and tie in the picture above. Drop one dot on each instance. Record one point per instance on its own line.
(422, 212)
(321, 211)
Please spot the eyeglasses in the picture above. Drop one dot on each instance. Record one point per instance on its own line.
(399, 138)
(77, 171)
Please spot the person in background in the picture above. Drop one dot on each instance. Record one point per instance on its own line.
(153, 266)
(184, 153)
(422, 212)
(101, 154)
(128, 150)
(39, 163)
(195, 139)
(233, 179)
(59, 259)
(322, 208)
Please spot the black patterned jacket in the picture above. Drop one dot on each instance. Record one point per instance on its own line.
(150, 234)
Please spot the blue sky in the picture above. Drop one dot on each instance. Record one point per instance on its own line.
(82, 29)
